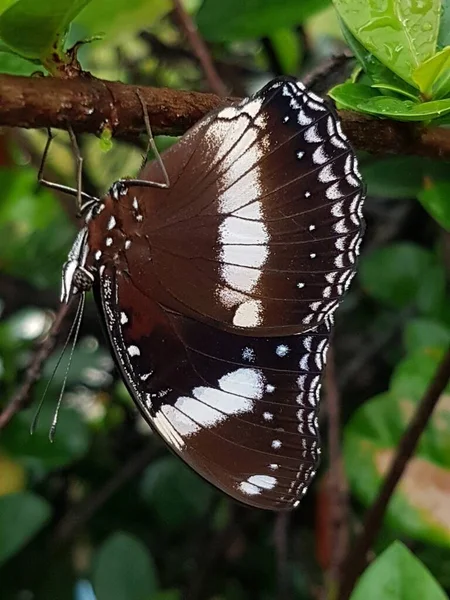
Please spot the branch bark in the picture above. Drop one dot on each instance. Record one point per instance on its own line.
(90, 105)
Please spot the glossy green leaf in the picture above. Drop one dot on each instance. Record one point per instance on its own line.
(400, 34)
(394, 275)
(397, 575)
(32, 29)
(243, 19)
(117, 18)
(124, 570)
(444, 29)
(174, 492)
(380, 76)
(21, 517)
(362, 98)
(433, 76)
(435, 198)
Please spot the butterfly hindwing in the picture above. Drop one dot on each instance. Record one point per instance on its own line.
(241, 411)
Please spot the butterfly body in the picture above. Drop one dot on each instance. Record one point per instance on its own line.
(218, 292)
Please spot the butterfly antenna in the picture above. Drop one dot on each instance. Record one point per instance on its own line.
(79, 318)
(76, 320)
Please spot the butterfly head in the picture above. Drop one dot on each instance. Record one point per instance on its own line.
(77, 276)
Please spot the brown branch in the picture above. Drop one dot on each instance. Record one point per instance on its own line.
(199, 48)
(90, 105)
(338, 530)
(357, 557)
(280, 536)
(22, 397)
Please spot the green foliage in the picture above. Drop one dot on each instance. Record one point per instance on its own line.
(397, 575)
(162, 526)
(71, 441)
(401, 35)
(21, 517)
(243, 19)
(435, 199)
(172, 491)
(114, 18)
(124, 570)
(395, 275)
(26, 215)
(401, 176)
(399, 47)
(35, 29)
(366, 99)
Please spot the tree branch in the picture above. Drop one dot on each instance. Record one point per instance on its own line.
(22, 398)
(357, 557)
(91, 105)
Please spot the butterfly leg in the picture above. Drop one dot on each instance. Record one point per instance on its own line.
(79, 164)
(150, 146)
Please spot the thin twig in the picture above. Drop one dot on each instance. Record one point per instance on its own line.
(91, 105)
(199, 48)
(83, 512)
(22, 397)
(280, 536)
(338, 529)
(213, 552)
(357, 557)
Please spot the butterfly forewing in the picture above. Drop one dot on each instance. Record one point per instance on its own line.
(240, 410)
(261, 226)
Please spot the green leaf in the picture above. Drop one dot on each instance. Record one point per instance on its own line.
(435, 198)
(287, 46)
(380, 76)
(362, 98)
(28, 213)
(71, 439)
(16, 65)
(21, 517)
(124, 570)
(244, 19)
(394, 275)
(175, 493)
(418, 507)
(397, 575)
(400, 176)
(400, 34)
(425, 334)
(117, 18)
(32, 29)
(444, 30)
(433, 76)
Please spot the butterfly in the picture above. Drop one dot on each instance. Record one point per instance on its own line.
(216, 275)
